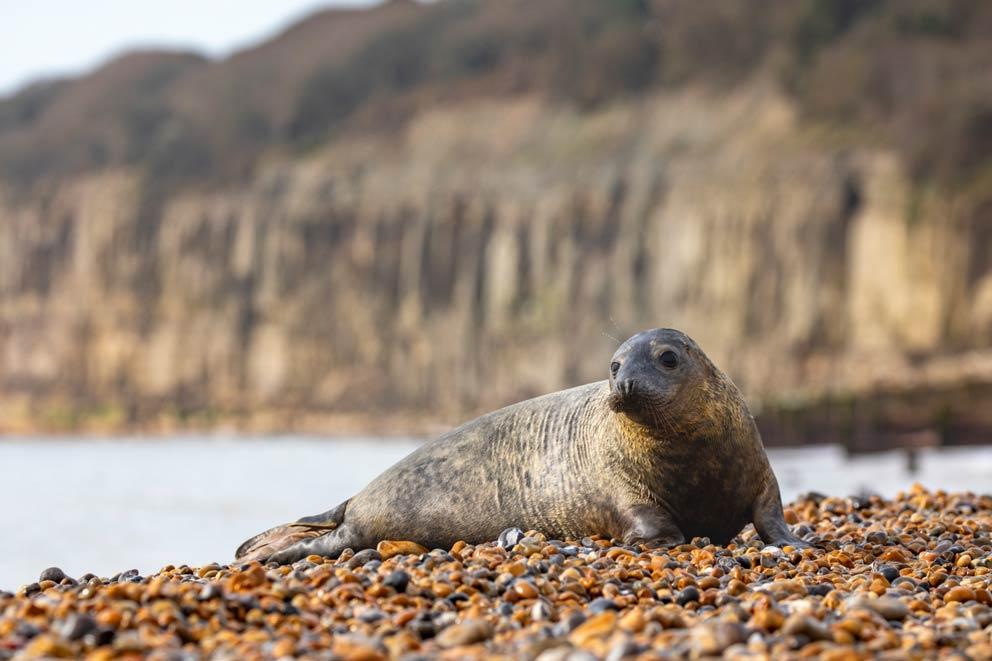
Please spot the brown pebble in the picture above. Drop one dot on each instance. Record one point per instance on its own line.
(597, 626)
(525, 589)
(388, 549)
(960, 593)
(356, 648)
(632, 621)
(465, 633)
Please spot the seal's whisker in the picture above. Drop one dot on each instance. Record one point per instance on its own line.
(615, 324)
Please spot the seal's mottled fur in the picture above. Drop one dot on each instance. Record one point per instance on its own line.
(663, 451)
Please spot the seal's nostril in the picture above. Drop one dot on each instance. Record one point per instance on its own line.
(626, 387)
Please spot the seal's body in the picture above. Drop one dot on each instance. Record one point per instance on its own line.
(663, 451)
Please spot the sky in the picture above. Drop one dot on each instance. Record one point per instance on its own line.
(45, 38)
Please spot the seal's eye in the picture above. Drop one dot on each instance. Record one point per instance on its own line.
(614, 368)
(668, 359)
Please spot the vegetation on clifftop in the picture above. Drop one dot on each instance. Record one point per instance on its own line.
(915, 73)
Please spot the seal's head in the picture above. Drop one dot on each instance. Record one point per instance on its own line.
(653, 371)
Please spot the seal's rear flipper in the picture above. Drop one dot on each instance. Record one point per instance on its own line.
(265, 544)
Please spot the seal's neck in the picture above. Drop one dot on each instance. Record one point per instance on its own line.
(706, 418)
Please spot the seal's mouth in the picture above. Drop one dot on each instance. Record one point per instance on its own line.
(621, 401)
(633, 398)
(616, 402)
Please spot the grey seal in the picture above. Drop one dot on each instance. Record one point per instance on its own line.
(663, 451)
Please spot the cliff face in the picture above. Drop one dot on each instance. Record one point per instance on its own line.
(485, 252)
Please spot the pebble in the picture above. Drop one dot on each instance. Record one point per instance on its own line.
(510, 538)
(362, 558)
(889, 572)
(907, 577)
(688, 595)
(397, 580)
(52, 574)
(888, 607)
(465, 633)
(712, 638)
(389, 549)
(601, 604)
(960, 593)
(76, 626)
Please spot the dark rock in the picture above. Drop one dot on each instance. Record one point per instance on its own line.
(363, 557)
(397, 580)
(860, 502)
(76, 626)
(103, 636)
(820, 589)
(876, 537)
(688, 595)
(27, 630)
(602, 604)
(815, 496)
(423, 629)
(52, 574)
(889, 572)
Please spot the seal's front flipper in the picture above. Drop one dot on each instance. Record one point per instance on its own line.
(265, 544)
(769, 520)
(651, 525)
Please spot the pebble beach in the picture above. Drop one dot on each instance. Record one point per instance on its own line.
(907, 577)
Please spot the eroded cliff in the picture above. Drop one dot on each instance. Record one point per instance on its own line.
(485, 253)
